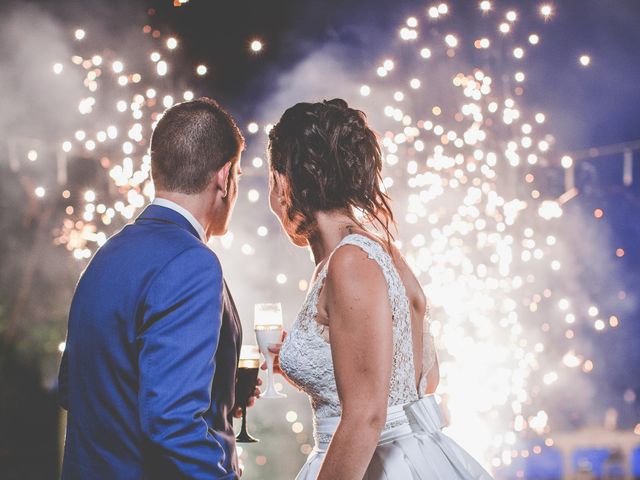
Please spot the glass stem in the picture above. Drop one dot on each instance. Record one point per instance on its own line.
(270, 385)
(244, 419)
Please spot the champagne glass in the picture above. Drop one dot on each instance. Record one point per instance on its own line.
(268, 327)
(246, 381)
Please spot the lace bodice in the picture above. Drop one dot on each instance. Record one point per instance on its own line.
(306, 356)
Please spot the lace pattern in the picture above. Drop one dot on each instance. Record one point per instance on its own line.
(306, 356)
(428, 350)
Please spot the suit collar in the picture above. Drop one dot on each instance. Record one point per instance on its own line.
(164, 202)
(166, 215)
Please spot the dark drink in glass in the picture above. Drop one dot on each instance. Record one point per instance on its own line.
(246, 382)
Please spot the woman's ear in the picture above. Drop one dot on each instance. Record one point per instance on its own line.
(222, 179)
(278, 183)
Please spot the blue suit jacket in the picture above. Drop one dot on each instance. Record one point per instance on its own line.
(148, 373)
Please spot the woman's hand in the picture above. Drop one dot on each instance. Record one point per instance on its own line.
(275, 349)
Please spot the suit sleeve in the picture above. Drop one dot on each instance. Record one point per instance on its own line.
(177, 345)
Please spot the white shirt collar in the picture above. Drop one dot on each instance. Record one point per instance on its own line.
(163, 202)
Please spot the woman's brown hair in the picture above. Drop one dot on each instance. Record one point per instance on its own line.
(331, 160)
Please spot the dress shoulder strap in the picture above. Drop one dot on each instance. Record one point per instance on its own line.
(376, 252)
(395, 287)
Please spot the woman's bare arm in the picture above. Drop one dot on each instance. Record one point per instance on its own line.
(360, 327)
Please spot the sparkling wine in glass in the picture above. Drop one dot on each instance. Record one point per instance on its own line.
(268, 327)
(246, 381)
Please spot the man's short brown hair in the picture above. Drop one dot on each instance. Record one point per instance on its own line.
(190, 143)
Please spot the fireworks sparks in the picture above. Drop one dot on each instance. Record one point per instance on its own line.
(120, 148)
(256, 46)
(172, 43)
(486, 258)
(546, 11)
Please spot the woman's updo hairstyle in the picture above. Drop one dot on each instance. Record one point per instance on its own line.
(331, 160)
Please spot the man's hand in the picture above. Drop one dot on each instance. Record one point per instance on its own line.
(237, 411)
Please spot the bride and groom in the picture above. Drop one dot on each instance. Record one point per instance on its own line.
(149, 371)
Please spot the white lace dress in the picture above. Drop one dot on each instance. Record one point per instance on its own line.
(411, 445)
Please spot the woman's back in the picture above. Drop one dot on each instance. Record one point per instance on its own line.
(306, 354)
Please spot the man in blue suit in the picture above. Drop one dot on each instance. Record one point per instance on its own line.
(148, 373)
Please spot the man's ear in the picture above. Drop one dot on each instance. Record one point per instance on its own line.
(222, 179)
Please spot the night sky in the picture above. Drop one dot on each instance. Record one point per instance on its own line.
(598, 105)
(601, 105)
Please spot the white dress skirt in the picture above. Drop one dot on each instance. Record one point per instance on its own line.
(413, 448)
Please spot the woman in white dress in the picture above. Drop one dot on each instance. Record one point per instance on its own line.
(360, 346)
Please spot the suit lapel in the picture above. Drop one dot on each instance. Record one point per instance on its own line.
(232, 313)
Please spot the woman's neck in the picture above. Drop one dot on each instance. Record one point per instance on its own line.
(331, 228)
